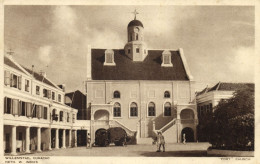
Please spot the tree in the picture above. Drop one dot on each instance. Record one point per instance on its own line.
(232, 124)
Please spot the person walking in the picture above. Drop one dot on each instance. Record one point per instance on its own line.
(88, 141)
(160, 142)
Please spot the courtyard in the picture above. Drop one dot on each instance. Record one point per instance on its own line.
(172, 150)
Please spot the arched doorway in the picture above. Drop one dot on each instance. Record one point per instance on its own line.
(101, 115)
(101, 137)
(189, 134)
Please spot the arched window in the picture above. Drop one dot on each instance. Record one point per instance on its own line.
(61, 115)
(116, 94)
(117, 110)
(151, 109)
(133, 110)
(167, 109)
(167, 94)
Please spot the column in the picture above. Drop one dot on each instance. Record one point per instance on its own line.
(38, 139)
(76, 138)
(63, 139)
(70, 138)
(57, 139)
(50, 139)
(13, 148)
(27, 140)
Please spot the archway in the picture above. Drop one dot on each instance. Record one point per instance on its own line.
(189, 134)
(101, 115)
(187, 114)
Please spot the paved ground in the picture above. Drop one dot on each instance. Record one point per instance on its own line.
(177, 150)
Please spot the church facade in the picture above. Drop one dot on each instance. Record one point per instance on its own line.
(141, 90)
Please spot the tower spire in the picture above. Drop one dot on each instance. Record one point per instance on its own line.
(135, 13)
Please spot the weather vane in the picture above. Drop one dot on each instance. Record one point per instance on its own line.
(135, 13)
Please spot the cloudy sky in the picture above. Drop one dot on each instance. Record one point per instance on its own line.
(218, 41)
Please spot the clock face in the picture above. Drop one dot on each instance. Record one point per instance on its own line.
(136, 29)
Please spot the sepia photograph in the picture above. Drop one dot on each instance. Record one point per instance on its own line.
(128, 81)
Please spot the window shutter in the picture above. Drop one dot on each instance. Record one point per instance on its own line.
(49, 94)
(39, 111)
(5, 105)
(20, 108)
(7, 77)
(11, 80)
(28, 109)
(20, 82)
(15, 106)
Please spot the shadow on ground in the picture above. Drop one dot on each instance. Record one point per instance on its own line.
(175, 154)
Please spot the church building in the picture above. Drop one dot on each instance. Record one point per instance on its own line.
(141, 90)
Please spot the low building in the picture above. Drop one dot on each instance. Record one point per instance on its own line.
(209, 97)
(35, 115)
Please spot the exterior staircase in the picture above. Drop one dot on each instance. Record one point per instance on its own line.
(115, 123)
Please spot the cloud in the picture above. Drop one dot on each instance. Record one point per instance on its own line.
(64, 21)
(44, 54)
(243, 63)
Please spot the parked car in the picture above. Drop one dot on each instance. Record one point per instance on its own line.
(101, 138)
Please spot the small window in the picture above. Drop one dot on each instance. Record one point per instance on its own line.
(37, 90)
(151, 109)
(116, 94)
(27, 85)
(117, 110)
(129, 51)
(45, 93)
(59, 98)
(167, 109)
(133, 110)
(137, 50)
(136, 36)
(167, 94)
(166, 59)
(109, 58)
(53, 95)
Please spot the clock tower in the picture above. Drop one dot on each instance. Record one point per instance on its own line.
(136, 48)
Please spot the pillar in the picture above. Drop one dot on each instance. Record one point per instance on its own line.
(57, 139)
(64, 139)
(76, 138)
(70, 138)
(27, 140)
(38, 139)
(13, 148)
(50, 139)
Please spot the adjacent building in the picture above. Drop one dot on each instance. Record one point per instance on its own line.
(35, 115)
(141, 90)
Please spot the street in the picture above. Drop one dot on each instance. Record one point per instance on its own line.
(172, 150)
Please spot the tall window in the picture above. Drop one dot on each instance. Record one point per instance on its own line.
(109, 58)
(27, 85)
(53, 95)
(116, 94)
(133, 110)
(167, 94)
(68, 117)
(61, 115)
(8, 105)
(117, 110)
(73, 118)
(59, 98)
(45, 93)
(34, 111)
(22, 108)
(37, 90)
(136, 36)
(151, 109)
(14, 81)
(167, 109)
(45, 112)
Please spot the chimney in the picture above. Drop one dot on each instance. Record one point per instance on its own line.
(62, 86)
(43, 73)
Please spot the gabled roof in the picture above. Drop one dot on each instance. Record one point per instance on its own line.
(40, 78)
(126, 69)
(10, 63)
(224, 86)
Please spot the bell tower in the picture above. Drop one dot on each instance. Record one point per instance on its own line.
(135, 48)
